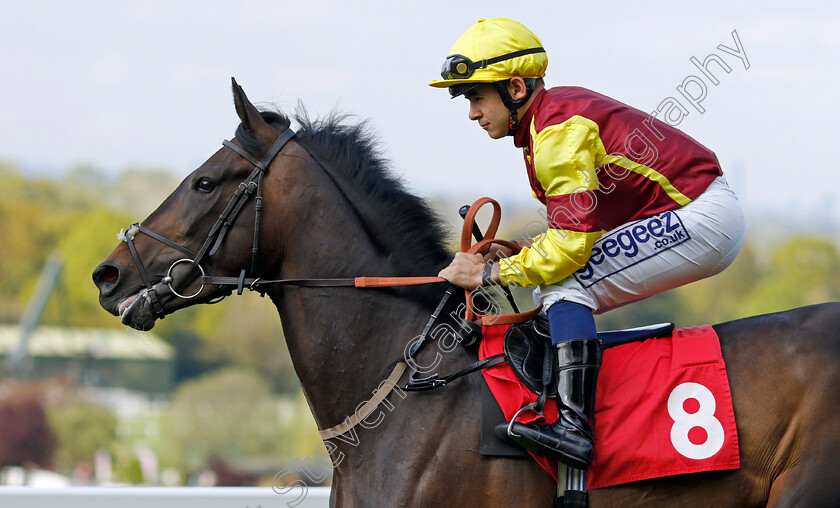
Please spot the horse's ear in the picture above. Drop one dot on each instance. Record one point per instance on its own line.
(248, 114)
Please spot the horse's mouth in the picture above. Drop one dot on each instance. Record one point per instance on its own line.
(136, 311)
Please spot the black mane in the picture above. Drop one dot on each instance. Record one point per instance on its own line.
(397, 221)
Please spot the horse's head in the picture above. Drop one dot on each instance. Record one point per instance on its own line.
(208, 226)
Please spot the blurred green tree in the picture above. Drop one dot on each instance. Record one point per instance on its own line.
(713, 300)
(81, 428)
(801, 271)
(228, 414)
(86, 243)
(719, 298)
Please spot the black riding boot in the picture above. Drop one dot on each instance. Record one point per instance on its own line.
(569, 439)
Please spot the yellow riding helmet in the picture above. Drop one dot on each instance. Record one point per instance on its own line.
(493, 50)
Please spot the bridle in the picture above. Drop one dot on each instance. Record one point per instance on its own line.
(250, 186)
(253, 185)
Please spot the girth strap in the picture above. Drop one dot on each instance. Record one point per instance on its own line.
(436, 381)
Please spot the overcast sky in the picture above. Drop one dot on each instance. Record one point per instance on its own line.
(125, 83)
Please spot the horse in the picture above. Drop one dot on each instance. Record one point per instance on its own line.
(327, 206)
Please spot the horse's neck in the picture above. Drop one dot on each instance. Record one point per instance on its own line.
(341, 340)
(344, 341)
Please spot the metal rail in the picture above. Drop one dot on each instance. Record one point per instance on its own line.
(164, 497)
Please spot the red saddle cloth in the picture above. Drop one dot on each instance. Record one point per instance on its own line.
(663, 407)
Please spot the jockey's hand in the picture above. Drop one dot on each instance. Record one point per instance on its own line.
(497, 252)
(465, 270)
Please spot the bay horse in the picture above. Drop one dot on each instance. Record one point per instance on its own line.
(328, 207)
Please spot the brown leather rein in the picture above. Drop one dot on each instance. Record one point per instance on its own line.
(256, 283)
(253, 186)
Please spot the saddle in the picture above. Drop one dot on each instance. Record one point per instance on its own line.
(529, 353)
(532, 359)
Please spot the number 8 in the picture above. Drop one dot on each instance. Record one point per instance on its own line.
(703, 418)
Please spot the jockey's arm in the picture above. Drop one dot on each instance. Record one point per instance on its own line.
(565, 156)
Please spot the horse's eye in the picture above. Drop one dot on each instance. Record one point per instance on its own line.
(205, 185)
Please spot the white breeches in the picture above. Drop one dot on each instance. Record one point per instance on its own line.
(652, 255)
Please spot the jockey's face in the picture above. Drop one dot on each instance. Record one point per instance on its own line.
(487, 109)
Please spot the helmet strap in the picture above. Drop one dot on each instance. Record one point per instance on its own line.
(513, 122)
(511, 104)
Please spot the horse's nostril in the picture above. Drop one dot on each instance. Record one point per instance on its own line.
(106, 274)
(110, 275)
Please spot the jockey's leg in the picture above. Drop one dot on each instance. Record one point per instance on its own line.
(708, 234)
(579, 352)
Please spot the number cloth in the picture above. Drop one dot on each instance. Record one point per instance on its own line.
(662, 407)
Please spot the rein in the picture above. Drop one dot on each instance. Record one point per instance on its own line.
(252, 185)
(254, 284)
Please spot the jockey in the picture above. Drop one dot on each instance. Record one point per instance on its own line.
(634, 207)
